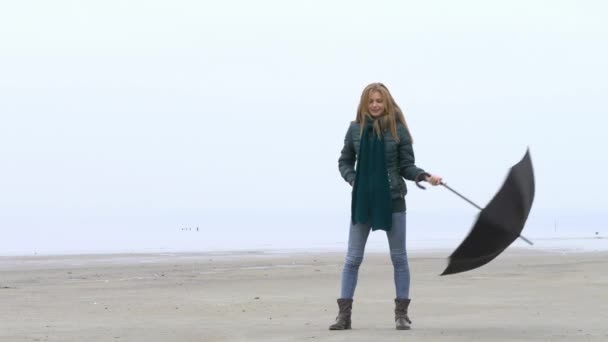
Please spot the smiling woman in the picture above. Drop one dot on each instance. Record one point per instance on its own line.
(380, 145)
(376, 104)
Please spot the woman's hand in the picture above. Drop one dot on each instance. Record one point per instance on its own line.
(434, 179)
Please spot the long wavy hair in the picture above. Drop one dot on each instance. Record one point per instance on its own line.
(388, 120)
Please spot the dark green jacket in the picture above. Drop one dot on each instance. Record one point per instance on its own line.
(399, 161)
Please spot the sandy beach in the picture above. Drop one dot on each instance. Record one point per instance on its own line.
(256, 296)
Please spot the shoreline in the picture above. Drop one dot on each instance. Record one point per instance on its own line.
(127, 259)
(301, 250)
(568, 244)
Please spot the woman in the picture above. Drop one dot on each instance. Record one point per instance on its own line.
(380, 143)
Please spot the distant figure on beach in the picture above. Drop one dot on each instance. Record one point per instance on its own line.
(380, 144)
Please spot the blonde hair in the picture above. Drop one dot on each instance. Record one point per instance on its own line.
(392, 112)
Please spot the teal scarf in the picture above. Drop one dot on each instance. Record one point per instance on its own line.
(371, 202)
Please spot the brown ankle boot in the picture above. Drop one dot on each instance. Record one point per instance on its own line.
(343, 319)
(402, 322)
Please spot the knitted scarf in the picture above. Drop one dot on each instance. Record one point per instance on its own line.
(371, 202)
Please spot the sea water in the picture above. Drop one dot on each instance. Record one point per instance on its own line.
(200, 231)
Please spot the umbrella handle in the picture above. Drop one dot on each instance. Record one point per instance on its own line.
(418, 182)
(452, 190)
(472, 203)
(461, 196)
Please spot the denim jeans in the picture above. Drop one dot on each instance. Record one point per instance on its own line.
(357, 239)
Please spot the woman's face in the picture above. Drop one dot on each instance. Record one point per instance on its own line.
(375, 105)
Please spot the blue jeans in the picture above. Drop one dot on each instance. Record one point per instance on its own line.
(357, 239)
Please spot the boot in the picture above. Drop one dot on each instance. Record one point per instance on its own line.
(343, 319)
(402, 322)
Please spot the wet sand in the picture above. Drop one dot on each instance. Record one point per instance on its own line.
(256, 296)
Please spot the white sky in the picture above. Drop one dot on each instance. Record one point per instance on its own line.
(111, 107)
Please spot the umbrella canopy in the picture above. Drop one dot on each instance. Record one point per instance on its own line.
(499, 223)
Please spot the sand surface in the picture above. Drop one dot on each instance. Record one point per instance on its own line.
(254, 296)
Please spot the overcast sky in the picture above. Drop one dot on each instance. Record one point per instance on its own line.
(110, 107)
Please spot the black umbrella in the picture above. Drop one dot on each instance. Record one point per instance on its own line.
(499, 223)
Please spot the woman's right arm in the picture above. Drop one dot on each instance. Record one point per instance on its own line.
(346, 162)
